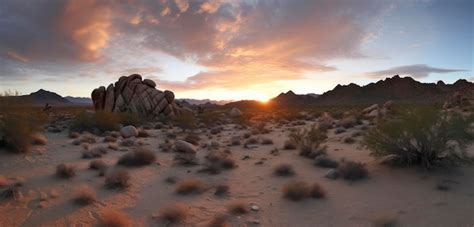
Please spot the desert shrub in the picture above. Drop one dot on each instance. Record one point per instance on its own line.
(104, 121)
(185, 121)
(284, 170)
(422, 137)
(326, 162)
(238, 208)
(85, 195)
(118, 179)
(385, 220)
(221, 189)
(190, 186)
(95, 152)
(17, 130)
(114, 218)
(217, 161)
(138, 157)
(176, 213)
(296, 190)
(65, 171)
(210, 118)
(308, 139)
(97, 165)
(350, 170)
(316, 191)
(143, 133)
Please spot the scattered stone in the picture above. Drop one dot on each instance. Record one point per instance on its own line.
(128, 131)
(254, 208)
(332, 174)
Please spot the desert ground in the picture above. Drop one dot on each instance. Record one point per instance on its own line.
(388, 196)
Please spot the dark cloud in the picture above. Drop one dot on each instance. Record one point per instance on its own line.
(415, 71)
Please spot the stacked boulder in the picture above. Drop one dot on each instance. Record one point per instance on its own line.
(457, 100)
(134, 95)
(375, 111)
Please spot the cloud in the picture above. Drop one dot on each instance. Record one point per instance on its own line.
(258, 42)
(415, 71)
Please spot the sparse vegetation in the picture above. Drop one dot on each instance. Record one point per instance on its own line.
(118, 179)
(185, 121)
(298, 190)
(423, 136)
(138, 157)
(289, 145)
(219, 220)
(97, 165)
(222, 189)
(190, 186)
(85, 195)
(17, 129)
(176, 213)
(11, 192)
(284, 170)
(350, 170)
(326, 162)
(65, 171)
(308, 140)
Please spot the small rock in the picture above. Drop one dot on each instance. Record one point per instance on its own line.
(332, 174)
(128, 131)
(254, 208)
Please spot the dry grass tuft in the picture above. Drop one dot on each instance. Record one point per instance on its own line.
(325, 162)
(298, 190)
(289, 145)
(176, 213)
(192, 138)
(139, 157)
(97, 165)
(114, 218)
(267, 141)
(85, 195)
(190, 186)
(385, 220)
(284, 170)
(118, 179)
(12, 192)
(65, 171)
(352, 170)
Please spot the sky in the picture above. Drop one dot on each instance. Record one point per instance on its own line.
(232, 49)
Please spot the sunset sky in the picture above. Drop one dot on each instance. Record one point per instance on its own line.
(230, 49)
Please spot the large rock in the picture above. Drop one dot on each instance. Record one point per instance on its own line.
(128, 131)
(184, 147)
(131, 94)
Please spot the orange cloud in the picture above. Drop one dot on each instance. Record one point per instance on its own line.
(87, 24)
(18, 57)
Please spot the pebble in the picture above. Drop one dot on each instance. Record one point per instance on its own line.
(254, 208)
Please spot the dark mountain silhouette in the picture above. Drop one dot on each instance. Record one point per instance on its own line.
(403, 90)
(290, 98)
(41, 97)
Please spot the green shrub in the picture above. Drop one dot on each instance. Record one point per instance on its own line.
(308, 140)
(422, 137)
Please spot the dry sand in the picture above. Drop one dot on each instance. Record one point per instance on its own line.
(407, 194)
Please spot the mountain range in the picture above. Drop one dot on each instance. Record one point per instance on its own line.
(396, 88)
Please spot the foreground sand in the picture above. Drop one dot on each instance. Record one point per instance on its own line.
(408, 194)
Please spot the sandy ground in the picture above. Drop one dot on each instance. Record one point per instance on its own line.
(408, 194)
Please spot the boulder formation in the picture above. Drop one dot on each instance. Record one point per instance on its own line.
(134, 95)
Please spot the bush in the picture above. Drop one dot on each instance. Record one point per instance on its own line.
(349, 140)
(114, 218)
(139, 157)
(97, 165)
(222, 189)
(267, 141)
(118, 179)
(298, 190)
(103, 121)
(11, 192)
(185, 121)
(85, 195)
(65, 171)
(218, 160)
(326, 162)
(421, 137)
(308, 140)
(284, 170)
(289, 145)
(191, 186)
(192, 138)
(17, 130)
(350, 170)
(174, 214)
